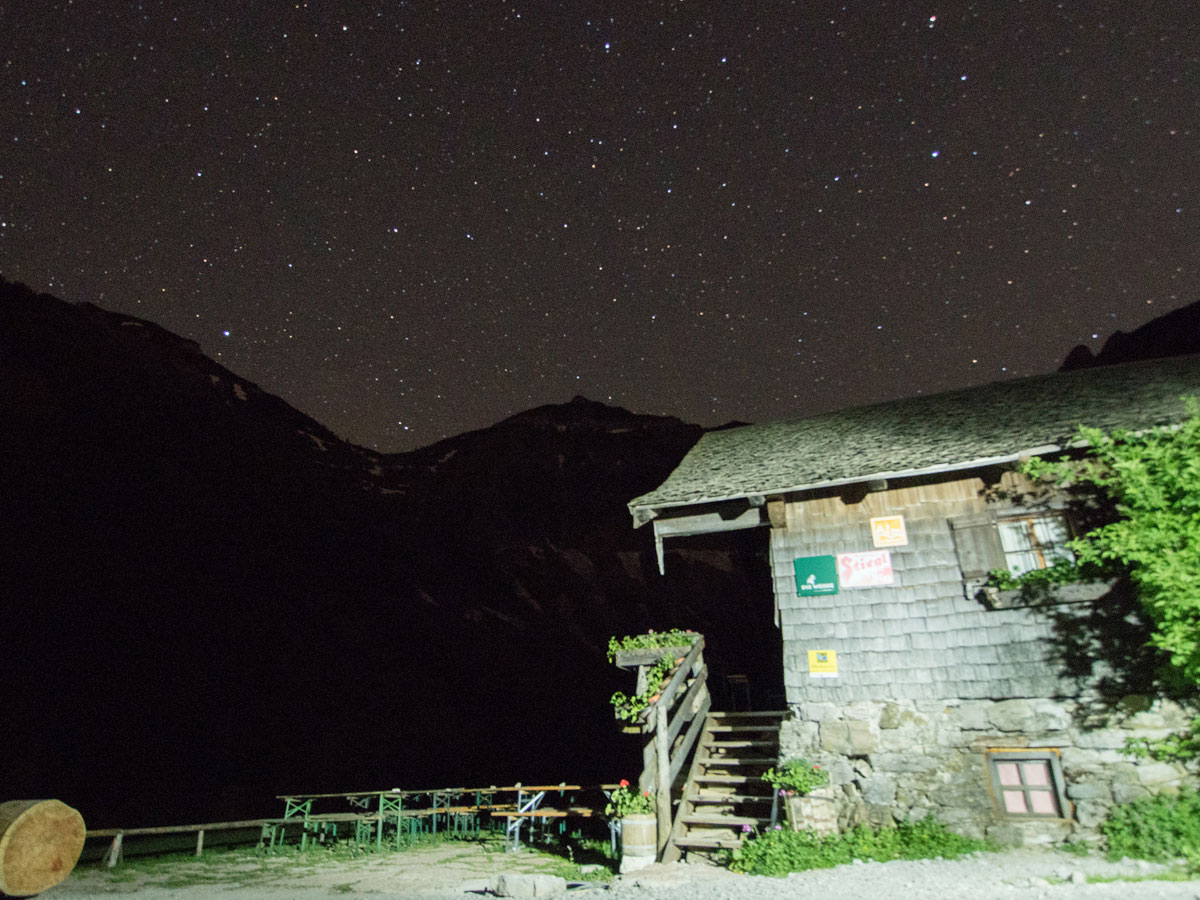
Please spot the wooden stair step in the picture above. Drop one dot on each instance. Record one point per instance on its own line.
(738, 745)
(737, 760)
(731, 799)
(727, 729)
(695, 843)
(716, 820)
(726, 779)
(761, 714)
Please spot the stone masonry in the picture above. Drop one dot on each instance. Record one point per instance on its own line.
(905, 760)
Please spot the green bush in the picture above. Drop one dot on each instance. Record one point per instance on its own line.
(1156, 828)
(780, 851)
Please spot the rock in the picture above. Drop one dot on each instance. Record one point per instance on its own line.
(1051, 716)
(1126, 793)
(1089, 790)
(972, 715)
(1078, 877)
(1013, 715)
(1158, 775)
(879, 791)
(1090, 813)
(530, 885)
(890, 717)
(819, 712)
(848, 738)
(1038, 881)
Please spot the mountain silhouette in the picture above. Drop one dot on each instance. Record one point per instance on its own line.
(1176, 333)
(212, 599)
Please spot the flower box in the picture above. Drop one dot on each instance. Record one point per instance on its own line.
(815, 811)
(648, 656)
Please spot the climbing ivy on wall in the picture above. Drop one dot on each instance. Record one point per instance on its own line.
(1152, 480)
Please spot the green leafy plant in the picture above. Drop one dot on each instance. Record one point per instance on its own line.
(1038, 583)
(1152, 481)
(1181, 746)
(630, 706)
(796, 776)
(1161, 827)
(651, 640)
(1152, 478)
(626, 801)
(779, 851)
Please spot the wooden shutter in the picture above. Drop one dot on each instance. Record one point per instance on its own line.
(977, 541)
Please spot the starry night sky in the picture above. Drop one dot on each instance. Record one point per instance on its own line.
(412, 219)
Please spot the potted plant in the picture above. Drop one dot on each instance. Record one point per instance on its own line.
(808, 797)
(638, 825)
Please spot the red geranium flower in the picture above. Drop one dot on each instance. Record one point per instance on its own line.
(624, 782)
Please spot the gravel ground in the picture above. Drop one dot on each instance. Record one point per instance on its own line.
(1012, 875)
(450, 874)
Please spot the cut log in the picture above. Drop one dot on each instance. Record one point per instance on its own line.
(40, 842)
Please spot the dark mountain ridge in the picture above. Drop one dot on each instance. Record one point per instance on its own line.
(212, 599)
(1176, 333)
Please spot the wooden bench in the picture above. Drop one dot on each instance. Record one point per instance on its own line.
(115, 850)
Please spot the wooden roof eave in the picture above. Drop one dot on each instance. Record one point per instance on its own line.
(643, 513)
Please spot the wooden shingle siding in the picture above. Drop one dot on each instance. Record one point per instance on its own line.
(922, 638)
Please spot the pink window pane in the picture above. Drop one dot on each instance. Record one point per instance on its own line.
(1043, 803)
(1036, 773)
(1014, 801)
(1009, 774)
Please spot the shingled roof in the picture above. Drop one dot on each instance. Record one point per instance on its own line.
(960, 429)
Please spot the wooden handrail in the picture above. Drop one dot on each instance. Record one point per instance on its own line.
(662, 722)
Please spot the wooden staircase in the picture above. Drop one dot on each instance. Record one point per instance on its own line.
(724, 791)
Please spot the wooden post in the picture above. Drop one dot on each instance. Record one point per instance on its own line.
(114, 851)
(662, 744)
(200, 842)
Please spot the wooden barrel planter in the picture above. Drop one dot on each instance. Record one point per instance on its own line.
(40, 843)
(639, 841)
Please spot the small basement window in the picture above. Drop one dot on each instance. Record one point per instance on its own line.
(1034, 542)
(1028, 783)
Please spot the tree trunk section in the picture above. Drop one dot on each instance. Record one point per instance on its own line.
(40, 842)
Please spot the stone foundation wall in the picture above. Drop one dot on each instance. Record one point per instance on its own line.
(905, 760)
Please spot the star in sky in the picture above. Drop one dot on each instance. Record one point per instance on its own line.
(412, 223)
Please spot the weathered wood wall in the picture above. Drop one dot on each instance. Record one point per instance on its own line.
(923, 637)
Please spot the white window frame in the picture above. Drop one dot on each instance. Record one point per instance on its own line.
(1024, 526)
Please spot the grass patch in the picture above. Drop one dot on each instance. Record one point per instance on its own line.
(779, 852)
(1168, 875)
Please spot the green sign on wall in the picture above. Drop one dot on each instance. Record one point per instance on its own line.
(816, 575)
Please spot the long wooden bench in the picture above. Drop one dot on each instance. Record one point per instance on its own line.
(115, 850)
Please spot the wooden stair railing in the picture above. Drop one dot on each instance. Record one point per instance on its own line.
(683, 704)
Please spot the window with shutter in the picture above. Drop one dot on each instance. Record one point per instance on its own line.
(977, 542)
(1034, 542)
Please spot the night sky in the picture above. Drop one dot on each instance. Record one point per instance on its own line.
(413, 219)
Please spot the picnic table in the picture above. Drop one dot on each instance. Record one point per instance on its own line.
(413, 812)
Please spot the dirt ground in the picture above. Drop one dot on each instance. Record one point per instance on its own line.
(451, 867)
(453, 870)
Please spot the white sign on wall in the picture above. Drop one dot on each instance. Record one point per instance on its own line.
(869, 569)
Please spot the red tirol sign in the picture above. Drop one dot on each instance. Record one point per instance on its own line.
(869, 569)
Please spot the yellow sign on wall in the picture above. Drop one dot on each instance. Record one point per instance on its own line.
(822, 663)
(888, 531)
